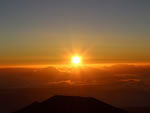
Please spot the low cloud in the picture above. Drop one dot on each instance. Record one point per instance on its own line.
(111, 76)
(116, 84)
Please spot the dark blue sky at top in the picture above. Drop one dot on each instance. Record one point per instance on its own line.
(25, 14)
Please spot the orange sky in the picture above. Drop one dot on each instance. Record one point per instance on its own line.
(100, 32)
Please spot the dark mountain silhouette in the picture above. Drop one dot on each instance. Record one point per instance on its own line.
(70, 104)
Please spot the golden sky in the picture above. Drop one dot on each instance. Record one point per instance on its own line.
(100, 32)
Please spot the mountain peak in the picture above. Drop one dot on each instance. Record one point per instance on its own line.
(70, 104)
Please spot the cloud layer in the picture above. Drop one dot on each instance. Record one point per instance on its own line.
(117, 84)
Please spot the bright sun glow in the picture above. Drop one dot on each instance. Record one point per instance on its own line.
(76, 60)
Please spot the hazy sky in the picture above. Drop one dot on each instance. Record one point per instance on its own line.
(45, 31)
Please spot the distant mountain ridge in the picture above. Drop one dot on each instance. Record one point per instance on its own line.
(70, 104)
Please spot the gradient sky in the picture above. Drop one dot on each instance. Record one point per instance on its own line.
(45, 31)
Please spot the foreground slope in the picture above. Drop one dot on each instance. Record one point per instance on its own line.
(70, 104)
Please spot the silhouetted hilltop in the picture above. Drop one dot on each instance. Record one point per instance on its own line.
(70, 104)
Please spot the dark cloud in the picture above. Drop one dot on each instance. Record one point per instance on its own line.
(123, 85)
(111, 76)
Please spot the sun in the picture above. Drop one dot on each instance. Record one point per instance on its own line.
(76, 60)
